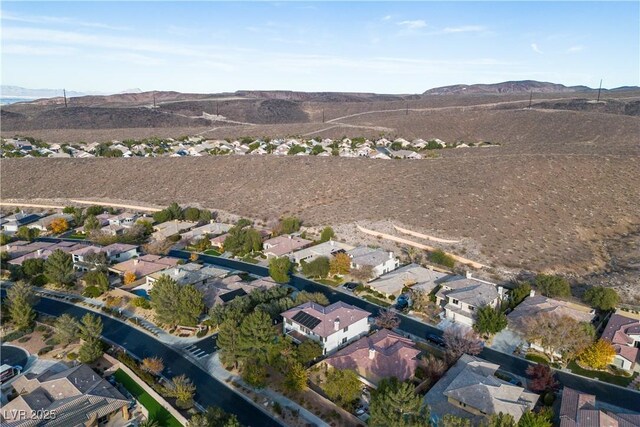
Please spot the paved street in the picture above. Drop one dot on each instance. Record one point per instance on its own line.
(209, 390)
(203, 348)
(605, 392)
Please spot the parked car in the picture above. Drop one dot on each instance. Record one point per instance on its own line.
(402, 302)
(436, 339)
(351, 286)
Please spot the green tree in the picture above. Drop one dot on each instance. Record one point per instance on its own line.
(440, 257)
(490, 320)
(453, 421)
(26, 233)
(229, 343)
(66, 329)
(279, 269)
(4, 239)
(214, 417)
(90, 330)
(319, 267)
(91, 224)
(288, 225)
(192, 214)
(533, 419)
(602, 298)
(174, 304)
(175, 211)
(97, 261)
(254, 372)
(317, 297)
(98, 279)
(327, 234)
(343, 386)
(94, 210)
(20, 300)
(256, 336)
(519, 293)
(501, 420)
(396, 404)
(190, 305)
(32, 267)
(553, 286)
(59, 268)
(308, 351)
(296, 377)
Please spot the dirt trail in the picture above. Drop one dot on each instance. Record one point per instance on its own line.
(117, 205)
(460, 259)
(424, 236)
(30, 205)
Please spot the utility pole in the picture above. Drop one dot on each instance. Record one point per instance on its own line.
(407, 110)
(599, 89)
(217, 108)
(64, 93)
(530, 99)
(323, 115)
(154, 100)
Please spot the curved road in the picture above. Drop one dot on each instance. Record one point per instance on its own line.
(209, 391)
(605, 392)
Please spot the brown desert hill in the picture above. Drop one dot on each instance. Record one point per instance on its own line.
(545, 212)
(523, 86)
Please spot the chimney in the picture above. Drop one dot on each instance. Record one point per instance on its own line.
(390, 255)
(39, 252)
(331, 242)
(532, 293)
(468, 274)
(289, 236)
(372, 353)
(500, 291)
(336, 324)
(136, 261)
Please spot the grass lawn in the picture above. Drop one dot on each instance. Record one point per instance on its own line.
(602, 376)
(212, 252)
(250, 260)
(76, 236)
(374, 300)
(156, 411)
(537, 358)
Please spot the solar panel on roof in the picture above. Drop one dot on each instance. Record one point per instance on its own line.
(306, 320)
(232, 295)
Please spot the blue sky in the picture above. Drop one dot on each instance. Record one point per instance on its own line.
(384, 47)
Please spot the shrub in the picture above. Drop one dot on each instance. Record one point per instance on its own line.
(16, 334)
(92, 292)
(51, 341)
(24, 339)
(72, 356)
(175, 238)
(277, 408)
(549, 398)
(440, 257)
(40, 280)
(41, 328)
(45, 350)
(141, 302)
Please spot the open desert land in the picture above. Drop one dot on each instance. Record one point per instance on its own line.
(558, 194)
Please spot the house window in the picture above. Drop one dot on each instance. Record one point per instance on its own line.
(344, 340)
(345, 329)
(455, 301)
(471, 308)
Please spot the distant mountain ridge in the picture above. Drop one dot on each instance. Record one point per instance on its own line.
(506, 88)
(8, 91)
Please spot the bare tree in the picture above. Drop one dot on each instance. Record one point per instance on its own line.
(387, 319)
(459, 342)
(558, 334)
(363, 274)
(153, 365)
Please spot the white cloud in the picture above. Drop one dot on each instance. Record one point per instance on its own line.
(60, 20)
(575, 49)
(536, 48)
(464, 29)
(386, 18)
(413, 25)
(32, 50)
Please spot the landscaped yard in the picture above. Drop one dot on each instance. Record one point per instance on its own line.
(374, 300)
(620, 380)
(212, 252)
(156, 411)
(76, 236)
(330, 282)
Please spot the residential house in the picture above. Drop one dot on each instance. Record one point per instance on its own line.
(21, 247)
(171, 228)
(218, 242)
(144, 265)
(17, 220)
(113, 230)
(211, 229)
(220, 291)
(470, 390)
(76, 397)
(325, 249)
(284, 245)
(581, 410)
(44, 223)
(119, 252)
(383, 354)
(405, 154)
(535, 304)
(125, 219)
(332, 326)
(411, 275)
(462, 296)
(381, 261)
(46, 251)
(623, 331)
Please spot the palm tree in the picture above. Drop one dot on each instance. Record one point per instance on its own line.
(150, 422)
